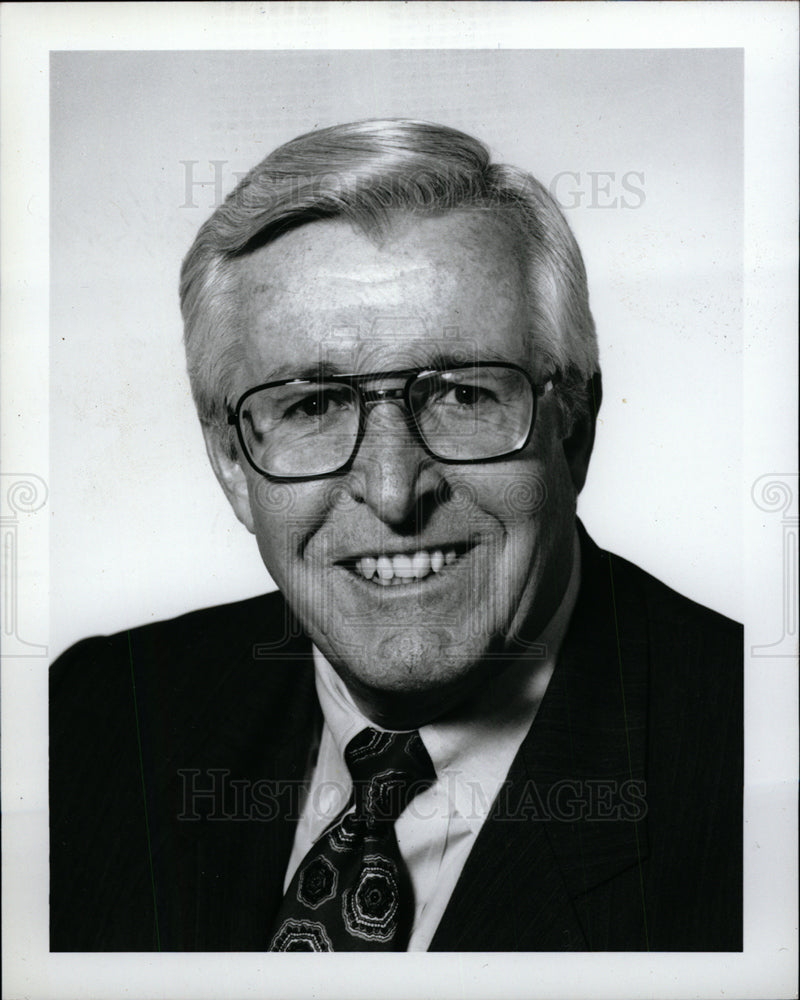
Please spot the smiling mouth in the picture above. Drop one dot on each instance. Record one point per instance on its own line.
(406, 568)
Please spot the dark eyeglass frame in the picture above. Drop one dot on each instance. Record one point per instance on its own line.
(369, 397)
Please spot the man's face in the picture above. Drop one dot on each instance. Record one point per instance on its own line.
(449, 286)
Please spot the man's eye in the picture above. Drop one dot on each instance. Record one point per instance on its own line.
(468, 394)
(315, 405)
(465, 395)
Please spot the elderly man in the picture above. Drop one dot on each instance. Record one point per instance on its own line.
(458, 725)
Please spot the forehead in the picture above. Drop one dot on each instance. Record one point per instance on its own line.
(326, 293)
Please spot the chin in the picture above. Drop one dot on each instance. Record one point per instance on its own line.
(412, 677)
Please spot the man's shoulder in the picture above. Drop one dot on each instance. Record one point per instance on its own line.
(665, 606)
(235, 644)
(199, 631)
(629, 593)
(685, 659)
(136, 719)
(688, 650)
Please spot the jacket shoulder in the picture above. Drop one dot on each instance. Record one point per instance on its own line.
(695, 655)
(665, 605)
(198, 627)
(216, 649)
(201, 634)
(138, 717)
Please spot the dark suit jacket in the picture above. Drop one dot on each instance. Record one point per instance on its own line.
(178, 751)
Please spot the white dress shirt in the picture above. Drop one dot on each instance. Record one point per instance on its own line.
(472, 752)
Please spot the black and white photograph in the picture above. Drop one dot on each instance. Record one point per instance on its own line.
(400, 513)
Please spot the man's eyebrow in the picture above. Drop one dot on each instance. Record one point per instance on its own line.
(437, 359)
(322, 369)
(463, 356)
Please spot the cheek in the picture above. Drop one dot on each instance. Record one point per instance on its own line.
(284, 515)
(533, 501)
(543, 492)
(513, 495)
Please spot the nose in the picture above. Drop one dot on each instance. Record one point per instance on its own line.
(391, 472)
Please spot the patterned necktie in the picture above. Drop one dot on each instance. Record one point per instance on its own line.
(352, 891)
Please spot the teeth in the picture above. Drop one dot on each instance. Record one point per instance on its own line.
(393, 571)
(421, 563)
(403, 567)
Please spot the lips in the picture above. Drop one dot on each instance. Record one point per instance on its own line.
(403, 568)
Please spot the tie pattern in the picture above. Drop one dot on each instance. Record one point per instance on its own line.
(352, 891)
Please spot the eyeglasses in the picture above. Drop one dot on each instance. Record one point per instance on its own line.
(302, 428)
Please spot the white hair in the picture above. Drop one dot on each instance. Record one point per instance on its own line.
(367, 173)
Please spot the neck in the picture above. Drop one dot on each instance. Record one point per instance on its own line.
(407, 710)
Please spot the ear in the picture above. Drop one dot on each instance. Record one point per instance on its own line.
(578, 445)
(230, 475)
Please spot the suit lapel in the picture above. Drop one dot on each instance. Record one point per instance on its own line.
(510, 896)
(571, 815)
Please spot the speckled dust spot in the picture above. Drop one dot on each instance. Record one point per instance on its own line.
(411, 651)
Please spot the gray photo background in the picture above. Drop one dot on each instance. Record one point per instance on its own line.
(642, 148)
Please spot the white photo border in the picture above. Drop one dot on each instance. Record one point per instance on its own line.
(768, 34)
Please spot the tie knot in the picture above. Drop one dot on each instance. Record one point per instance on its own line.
(388, 771)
